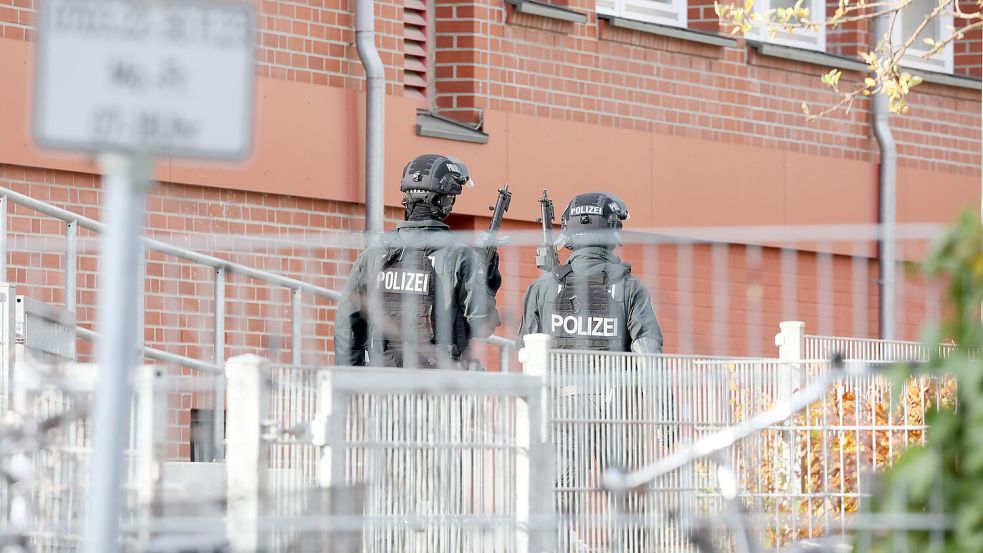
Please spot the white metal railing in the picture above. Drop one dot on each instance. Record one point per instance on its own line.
(451, 460)
(794, 344)
(802, 476)
(870, 349)
(798, 472)
(441, 460)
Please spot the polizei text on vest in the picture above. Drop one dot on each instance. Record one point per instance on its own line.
(404, 281)
(585, 326)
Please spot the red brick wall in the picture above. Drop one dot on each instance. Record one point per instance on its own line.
(702, 17)
(257, 230)
(489, 58)
(849, 38)
(723, 299)
(967, 51)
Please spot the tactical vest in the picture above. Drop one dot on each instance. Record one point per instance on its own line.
(588, 312)
(405, 287)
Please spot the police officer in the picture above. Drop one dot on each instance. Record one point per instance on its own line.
(592, 301)
(419, 296)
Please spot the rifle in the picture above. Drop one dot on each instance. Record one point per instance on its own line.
(487, 240)
(546, 257)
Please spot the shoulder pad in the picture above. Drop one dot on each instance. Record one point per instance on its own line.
(560, 272)
(616, 272)
(388, 238)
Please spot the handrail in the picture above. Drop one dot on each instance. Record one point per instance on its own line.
(174, 251)
(159, 355)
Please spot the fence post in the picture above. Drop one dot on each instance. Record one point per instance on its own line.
(535, 359)
(337, 497)
(534, 477)
(323, 434)
(791, 345)
(150, 419)
(248, 389)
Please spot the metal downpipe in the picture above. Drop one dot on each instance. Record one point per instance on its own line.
(375, 86)
(887, 182)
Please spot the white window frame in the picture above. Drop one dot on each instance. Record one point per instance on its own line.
(800, 38)
(941, 62)
(672, 12)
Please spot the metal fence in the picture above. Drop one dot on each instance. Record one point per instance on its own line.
(865, 349)
(52, 432)
(802, 479)
(398, 460)
(430, 460)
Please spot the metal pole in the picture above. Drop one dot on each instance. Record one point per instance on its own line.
(888, 195)
(375, 98)
(3, 238)
(71, 265)
(126, 179)
(296, 326)
(218, 420)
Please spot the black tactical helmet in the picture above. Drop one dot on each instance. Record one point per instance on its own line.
(593, 219)
(435, 173)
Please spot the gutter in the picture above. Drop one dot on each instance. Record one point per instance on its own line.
(887, 194)
(375, 86)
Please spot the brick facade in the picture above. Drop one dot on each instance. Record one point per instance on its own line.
(723, 299)
(489, 57)
(491, 62)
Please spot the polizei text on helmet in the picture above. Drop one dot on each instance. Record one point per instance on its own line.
(585, 326)
(585, 210)
(404, 281)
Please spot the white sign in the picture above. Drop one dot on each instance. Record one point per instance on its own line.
(172, 78)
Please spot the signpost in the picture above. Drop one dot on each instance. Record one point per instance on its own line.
(129, 80)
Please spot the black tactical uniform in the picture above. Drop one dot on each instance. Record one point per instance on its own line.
(417, 297)
(592, 303)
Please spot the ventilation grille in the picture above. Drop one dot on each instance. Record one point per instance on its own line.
(416, 35)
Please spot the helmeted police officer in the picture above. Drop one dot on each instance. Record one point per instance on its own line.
(419, 296)
(592, 301)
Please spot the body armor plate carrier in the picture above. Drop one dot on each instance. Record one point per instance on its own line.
(405, 287)
(589, 312)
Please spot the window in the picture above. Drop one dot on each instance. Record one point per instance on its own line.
(666, 12)
(799, 38)
(416, 51)
(909, 19)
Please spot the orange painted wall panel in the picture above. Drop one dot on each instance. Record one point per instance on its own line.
(309, 143)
